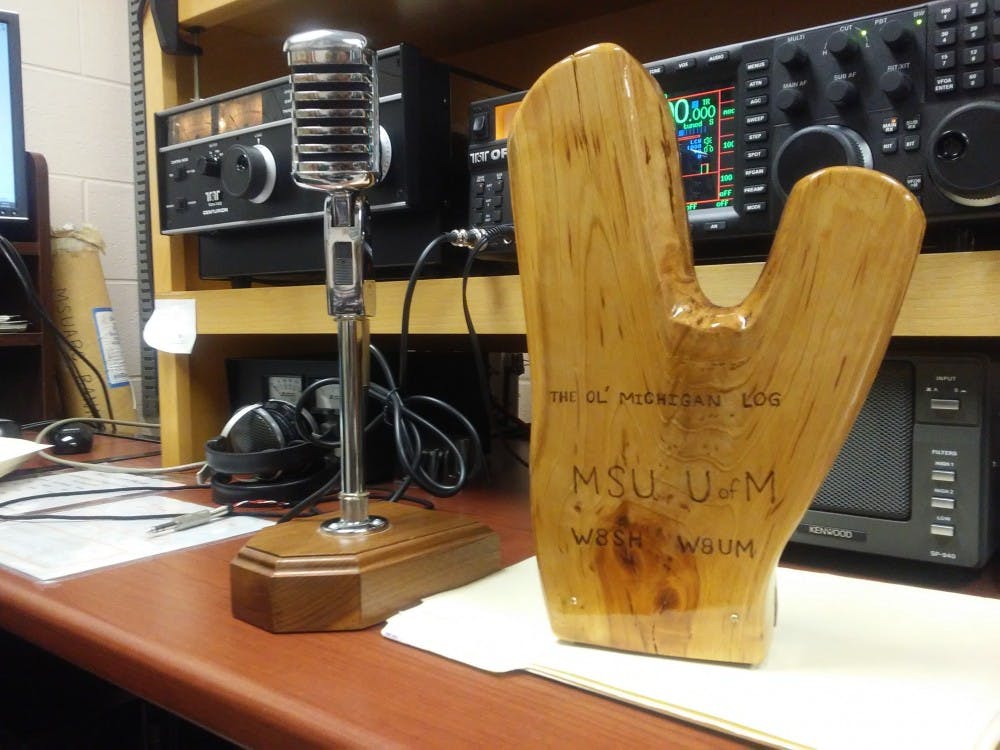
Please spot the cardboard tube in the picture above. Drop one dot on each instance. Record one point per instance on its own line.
(83, 313)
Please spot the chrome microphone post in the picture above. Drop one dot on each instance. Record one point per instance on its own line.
(336, 149)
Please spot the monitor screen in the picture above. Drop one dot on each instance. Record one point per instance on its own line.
(13, 187)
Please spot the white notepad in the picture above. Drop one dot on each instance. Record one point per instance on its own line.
(853, 664)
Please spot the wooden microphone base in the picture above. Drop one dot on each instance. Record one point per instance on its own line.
(295, 577)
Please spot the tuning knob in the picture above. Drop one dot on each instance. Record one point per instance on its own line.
(816, 147)
(964, 162)
(896, 36)
(842, 45)
(842, 93)
(790, 100)
(792, 55)
(249, 172)
(896, 84)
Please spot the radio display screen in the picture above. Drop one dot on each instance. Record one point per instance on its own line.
(705, 122)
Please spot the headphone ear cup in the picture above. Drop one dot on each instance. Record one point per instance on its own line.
(263, 440)
(283, 414)
(259, 427)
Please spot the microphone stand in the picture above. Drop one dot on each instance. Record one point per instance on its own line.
(351, 302)
(352, 570)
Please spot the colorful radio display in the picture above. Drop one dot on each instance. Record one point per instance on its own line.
(705, 122)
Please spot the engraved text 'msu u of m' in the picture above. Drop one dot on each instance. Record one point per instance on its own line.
(747, 487)
(616, 481)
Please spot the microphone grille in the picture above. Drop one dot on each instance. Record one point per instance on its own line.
(335, 130)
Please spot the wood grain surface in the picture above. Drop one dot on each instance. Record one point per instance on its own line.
(676, 443)
(161, 628)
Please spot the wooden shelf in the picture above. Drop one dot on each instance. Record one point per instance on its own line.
(951, 294)
(21, 339)
(27, 360)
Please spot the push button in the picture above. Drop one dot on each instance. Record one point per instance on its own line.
(944, 60)
(942, 529)
(973, 8)
(945, 404)
(942, 475)
(973, 32)
(973, 55)
(943, 503)
(944, 84)
(944, 37)
(973, 79)
(945, 13)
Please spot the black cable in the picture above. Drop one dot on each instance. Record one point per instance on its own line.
(69, 517)
(477, 351)
(310, 501)
(24, 277)
(404, 333)
(75, 493)
(407, 426)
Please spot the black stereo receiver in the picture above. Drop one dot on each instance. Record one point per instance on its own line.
(912, 93)
(917, 476)
(224, 167)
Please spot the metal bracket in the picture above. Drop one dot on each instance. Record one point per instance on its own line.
(167, 29)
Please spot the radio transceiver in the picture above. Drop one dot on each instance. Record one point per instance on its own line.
(912, 93)
(225, 174)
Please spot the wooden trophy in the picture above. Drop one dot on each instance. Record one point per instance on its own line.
(675, 443)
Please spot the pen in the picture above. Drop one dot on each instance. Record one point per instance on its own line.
(190, 520)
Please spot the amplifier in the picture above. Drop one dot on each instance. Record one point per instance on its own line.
(224, 168)
(912, 93)
(917, 476)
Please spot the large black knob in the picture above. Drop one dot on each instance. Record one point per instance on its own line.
(896, 36)
(896, 84)
(964, 160)
(816, 147)
(248, 172)
(792, 55)
(842, 45)
(790, 100)
(841, 92)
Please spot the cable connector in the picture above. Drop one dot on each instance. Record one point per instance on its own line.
(466, 237)
(190, 520)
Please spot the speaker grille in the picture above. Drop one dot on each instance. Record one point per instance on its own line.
(871, 476)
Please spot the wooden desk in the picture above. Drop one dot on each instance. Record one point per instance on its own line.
(161, 629)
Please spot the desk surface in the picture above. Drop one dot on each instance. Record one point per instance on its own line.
(162, 629)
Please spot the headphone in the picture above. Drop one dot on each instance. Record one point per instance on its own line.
(261, 455)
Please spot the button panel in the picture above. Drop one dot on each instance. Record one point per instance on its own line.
(892, 79)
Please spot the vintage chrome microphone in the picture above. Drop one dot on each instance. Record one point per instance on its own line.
(335, 573)
(336, 148)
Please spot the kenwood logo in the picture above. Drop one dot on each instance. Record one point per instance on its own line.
(846, 534)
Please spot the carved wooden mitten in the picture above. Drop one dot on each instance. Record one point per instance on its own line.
(675, 444)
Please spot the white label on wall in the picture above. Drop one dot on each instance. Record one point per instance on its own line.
(111, 347)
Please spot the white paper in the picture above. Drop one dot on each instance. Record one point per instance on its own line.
(54, 549)
(853, 664)
(172, 327)
(15, 451)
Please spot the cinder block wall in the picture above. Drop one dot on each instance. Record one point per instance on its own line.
(75, 69)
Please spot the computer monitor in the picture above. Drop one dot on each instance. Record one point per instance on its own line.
(14, 205)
